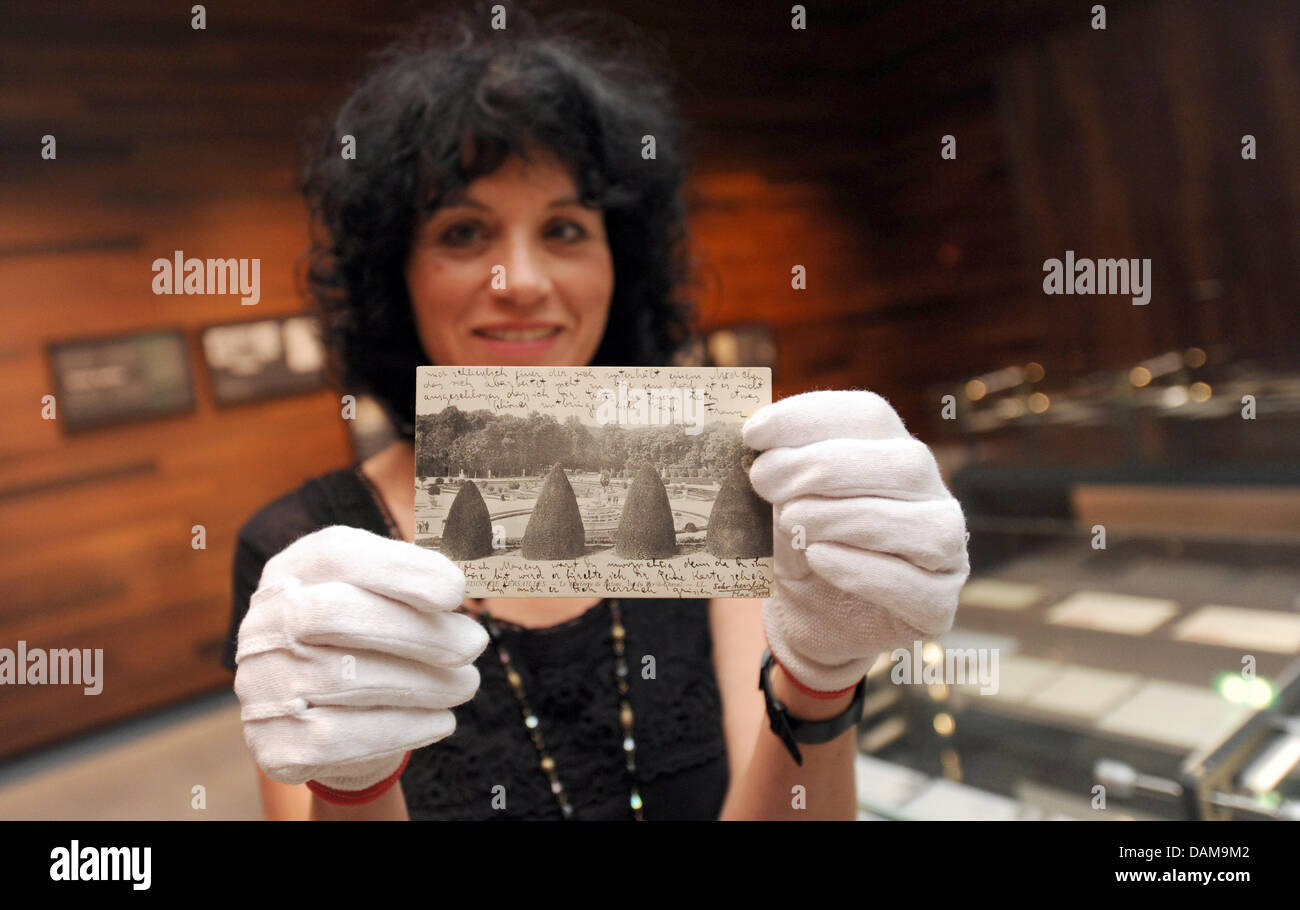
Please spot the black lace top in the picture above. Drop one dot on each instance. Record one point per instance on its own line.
(568, 677)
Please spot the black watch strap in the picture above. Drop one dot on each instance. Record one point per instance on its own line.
(792, 730)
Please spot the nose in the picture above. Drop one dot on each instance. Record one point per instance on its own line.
(525, 282)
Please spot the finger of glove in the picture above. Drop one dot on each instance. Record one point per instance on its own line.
(347, 617)
(282, 683)
(788, 561)
(423, 578)
(330, 736)
(927, 600)
(814, 416)
(892, 468)
(928, 533)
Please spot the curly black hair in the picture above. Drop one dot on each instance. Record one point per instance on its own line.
(450, 103)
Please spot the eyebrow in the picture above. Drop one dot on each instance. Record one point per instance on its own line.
(475, 204)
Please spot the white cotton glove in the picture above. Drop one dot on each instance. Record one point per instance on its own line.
(885, 541)
(309, 712)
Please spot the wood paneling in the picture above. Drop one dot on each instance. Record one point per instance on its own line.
(167, 139)
(1129, 145)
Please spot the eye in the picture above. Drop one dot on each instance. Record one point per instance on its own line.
(459, 234)
(578, 231)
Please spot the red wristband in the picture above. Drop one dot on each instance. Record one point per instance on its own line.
(357, 797)
(813, 692)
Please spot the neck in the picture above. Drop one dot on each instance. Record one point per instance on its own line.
(392, 471)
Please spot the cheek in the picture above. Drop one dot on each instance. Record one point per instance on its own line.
(435, 290)
(597, 292)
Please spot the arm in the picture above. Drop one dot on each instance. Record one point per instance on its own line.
(763, 774)
(868, 553)
(282, 802)
(391, 807)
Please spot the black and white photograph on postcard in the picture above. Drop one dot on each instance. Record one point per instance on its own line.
(555, 481)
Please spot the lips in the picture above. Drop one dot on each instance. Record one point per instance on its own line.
(518, 332)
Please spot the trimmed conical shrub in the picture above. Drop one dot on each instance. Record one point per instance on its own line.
(555, 528)
(645, 529)
(467, 533)
(740, 524)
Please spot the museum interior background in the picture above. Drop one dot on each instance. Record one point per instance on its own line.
(924, 280)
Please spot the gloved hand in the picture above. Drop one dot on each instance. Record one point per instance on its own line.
(885, 541)
(312, 714)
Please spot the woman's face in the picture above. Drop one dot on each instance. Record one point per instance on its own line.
(516, 272)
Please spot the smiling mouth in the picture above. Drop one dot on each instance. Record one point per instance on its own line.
(533, 334)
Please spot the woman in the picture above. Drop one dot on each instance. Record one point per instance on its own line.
(523, 147)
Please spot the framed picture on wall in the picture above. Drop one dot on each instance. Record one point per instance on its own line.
(267, 358)
(103, 382)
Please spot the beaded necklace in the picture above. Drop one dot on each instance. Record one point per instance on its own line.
(531, 722)
(517, 686)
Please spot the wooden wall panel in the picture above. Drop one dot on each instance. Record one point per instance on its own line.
(159, 149)
(1130, 146)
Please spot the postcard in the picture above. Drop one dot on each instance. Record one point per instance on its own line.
(613, 481)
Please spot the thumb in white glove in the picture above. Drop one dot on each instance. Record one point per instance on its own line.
(350, 657)
(885, 554)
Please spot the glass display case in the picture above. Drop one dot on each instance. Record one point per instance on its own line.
(1128, 644)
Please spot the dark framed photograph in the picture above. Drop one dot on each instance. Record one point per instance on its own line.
(104, 382)
(266, 358)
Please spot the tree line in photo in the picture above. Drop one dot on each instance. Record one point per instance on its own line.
(479, 442)
(739, 524)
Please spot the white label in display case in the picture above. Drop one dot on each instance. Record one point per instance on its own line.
(884, 787)
(997, 594)
(1019, 677)
(946, 800)
(1118, 613)
(1238, 627)
(1173, 714)
(1083, 692)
